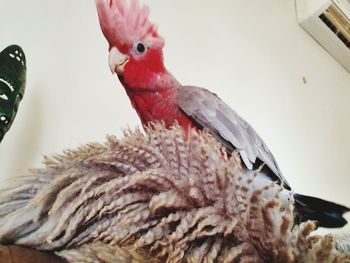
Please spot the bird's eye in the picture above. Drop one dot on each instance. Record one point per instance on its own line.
(140, 47)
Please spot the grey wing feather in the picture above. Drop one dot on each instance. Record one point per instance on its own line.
(210, 112)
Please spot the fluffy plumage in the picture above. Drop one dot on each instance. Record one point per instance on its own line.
(163, 196)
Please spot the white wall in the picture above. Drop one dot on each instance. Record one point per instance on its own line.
(251, 53)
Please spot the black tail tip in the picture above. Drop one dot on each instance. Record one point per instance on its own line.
(325, 213)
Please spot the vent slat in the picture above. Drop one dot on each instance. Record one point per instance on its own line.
(338, 22)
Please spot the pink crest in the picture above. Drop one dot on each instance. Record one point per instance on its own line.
(124, 24)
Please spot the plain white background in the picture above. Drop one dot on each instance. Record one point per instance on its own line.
(252, 53)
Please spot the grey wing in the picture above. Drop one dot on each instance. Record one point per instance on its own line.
(210, 112)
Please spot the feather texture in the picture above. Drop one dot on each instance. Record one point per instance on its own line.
(210, 112)
(123, 24)
(163, 196)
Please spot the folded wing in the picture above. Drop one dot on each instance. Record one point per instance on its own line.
(208, 111)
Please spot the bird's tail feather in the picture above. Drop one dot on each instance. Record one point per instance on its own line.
(327, 214)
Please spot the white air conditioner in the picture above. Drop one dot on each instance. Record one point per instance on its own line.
(328, 22)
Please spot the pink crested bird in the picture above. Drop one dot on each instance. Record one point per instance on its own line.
(136, 56)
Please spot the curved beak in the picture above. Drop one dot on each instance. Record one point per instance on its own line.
(117, 61)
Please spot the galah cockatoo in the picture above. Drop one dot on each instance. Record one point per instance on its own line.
(136, 56)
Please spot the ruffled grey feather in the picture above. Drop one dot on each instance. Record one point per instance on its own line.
(162, 196)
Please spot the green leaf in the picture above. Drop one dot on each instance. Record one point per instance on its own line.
(12, 85)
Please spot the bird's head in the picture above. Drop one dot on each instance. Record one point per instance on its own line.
(135, 48)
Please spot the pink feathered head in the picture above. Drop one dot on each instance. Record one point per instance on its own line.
(124, 24)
